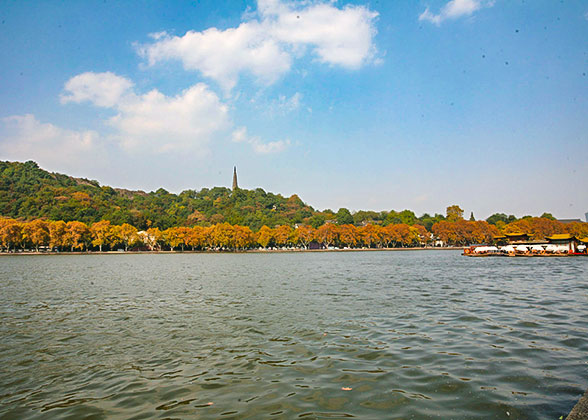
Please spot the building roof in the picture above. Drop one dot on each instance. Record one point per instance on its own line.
(559, 237)
(569, 220)
(516, 234)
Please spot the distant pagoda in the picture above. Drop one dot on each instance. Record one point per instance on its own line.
(235, 186)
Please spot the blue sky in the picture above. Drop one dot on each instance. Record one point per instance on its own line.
(361, 104)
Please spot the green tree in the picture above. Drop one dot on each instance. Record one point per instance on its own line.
(317, 220)
(407, 217)
(501, 217)
(344, 217)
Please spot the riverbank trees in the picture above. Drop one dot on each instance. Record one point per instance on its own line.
(103, 235)
(49, 210)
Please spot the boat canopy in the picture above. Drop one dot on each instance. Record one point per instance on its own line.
(481, 249)
(556, 248)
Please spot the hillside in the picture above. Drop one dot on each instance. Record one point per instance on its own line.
(29, 192)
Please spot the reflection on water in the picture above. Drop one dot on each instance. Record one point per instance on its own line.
(304, 335)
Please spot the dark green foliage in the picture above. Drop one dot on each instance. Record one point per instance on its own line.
(501, 217)
(344, 217)
(317, 220)
(28, 192)
(362, 216)
(428, 221)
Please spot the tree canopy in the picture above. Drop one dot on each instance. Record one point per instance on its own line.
(29, 193)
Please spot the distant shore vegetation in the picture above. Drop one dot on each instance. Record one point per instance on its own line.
(40, 210)
(72, 236)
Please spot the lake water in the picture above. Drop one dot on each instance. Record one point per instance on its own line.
(370, 335)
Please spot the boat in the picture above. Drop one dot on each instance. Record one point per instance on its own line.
(557, 245)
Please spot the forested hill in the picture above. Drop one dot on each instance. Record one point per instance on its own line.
(29, 192)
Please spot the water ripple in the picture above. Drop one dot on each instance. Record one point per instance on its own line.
(353, 335)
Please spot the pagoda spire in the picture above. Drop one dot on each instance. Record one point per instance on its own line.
(235, 186)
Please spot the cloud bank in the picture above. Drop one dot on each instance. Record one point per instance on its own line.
(266, 44)
(152, 122)
(144, 124)
(23, 138)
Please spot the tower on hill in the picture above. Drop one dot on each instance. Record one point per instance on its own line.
(235, 186)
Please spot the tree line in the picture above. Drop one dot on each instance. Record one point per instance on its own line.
(81, 214)
(103, 235)
(28, 192)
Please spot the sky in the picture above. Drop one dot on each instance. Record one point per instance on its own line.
(373, 105)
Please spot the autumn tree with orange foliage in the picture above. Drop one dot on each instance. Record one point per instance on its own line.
(126, 234)
(265, 236)
(196, 237)
(464, 232)
(57, 234)
(282, 235)
(421, 234)
(152, 238)
(538, 227)
(326, 234)
(172, 237)
(10, 233)
(577, 229)
(77, 235)
(370, 234)
(223, 236)
(348, 235)
(244, 237)
(304, 235)
(36, 233)
(102, 233)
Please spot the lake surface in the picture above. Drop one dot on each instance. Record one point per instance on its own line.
(415, 335)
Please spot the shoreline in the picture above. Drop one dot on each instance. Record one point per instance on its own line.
(248, 251)
(580, 410)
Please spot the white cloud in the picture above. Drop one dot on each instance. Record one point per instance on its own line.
(23, 137)
(455, 9)
(102, 89)
(158, 123)
(265, 47)
(240, 136)
(153, 122)
(341, 37)
(222, 55)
